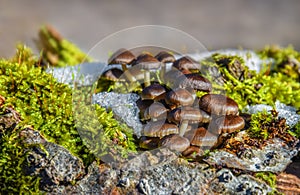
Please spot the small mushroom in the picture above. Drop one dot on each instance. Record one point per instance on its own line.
(194, 81)
(123, 57)
(147, 63)
(175, 142)
(164, 57)
(112, 74)
(187, 115)
(186, 63)
(218, 104)
(143, 104)
(179, 97)
(159, 129)
(201, 137)
(153, 92)
(171, 77)
(193, 152)
(157, 111)
(149, 143)
(226, 124)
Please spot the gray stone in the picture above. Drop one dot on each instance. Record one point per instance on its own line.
(284, 111)
(123, 106)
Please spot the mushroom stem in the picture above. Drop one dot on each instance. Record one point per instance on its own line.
(183, 126)
(147, 78)
(162, 71)
(124, 67)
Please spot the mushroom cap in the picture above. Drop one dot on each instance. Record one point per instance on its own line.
(156, 111)
(149, 142)
(195, 81)
(201, 137)
(147, 62)
(122, 56)
(175, 142)
(186, 63)
(112, 74)
(179, 97)
(193, 115)
(193, 152)
(165, 57)
(226, 124)
(153, 92)
(218, 104)
(159, 129)
(143, 104)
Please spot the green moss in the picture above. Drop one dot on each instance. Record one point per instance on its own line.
(249, 88)
(59, 51)
(285, 60)
(13, 154)
(47, 106)
(258, 124)
(269, 178)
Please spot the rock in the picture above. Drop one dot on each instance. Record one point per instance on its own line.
(8, 120)
(225, 182)
(273, 157)
(55, 165)
(123, 106)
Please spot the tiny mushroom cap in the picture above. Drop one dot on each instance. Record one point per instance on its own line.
(153, 92)
(186, 63)
(193, 115)
(112, 74)
(193, 152)
(159, 129)
(165, 57)
(147, 62)
(175, 142)
(122, 56)
(156, 111)
(143, 104)
(226, 124)
(149, 142)
(194, 81)
(218, 104)
(179, 97)
(201, 137)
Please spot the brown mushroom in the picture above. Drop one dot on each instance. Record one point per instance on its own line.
(112, 74)
(187, 115)
(193, 152)
(201, 137)
(123, 57)
(179, 97)
(153, 92)
(147, 62)
(159, 129)
(143, 105)
(175, 142)
(157, 111)
(149, 143)
(194, 81)
(164, 57)
(218, 104)
(226, 124)
(186, 63)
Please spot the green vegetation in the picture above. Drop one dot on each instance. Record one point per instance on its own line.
(259, 125)
(269, 178)
(248, 87)
(46, 105)
(59, 51)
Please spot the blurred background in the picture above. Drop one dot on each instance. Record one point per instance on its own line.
(217, 24)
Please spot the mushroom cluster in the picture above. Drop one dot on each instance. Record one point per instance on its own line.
(174, 116)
